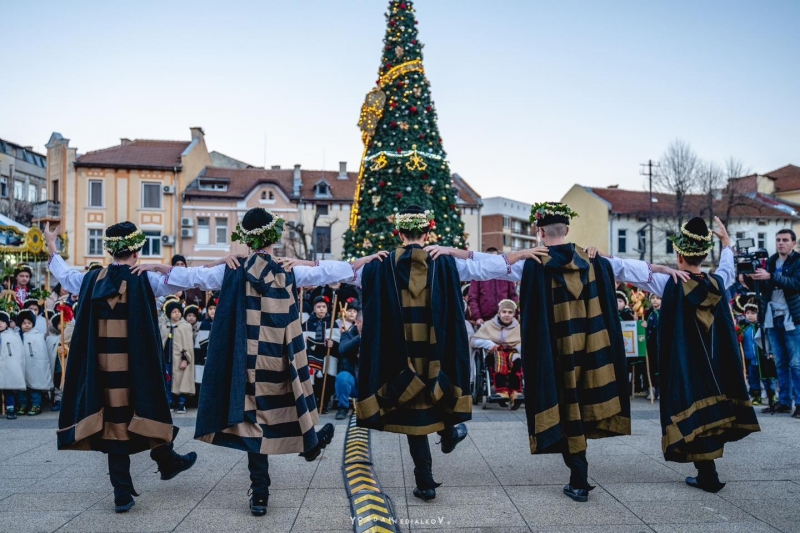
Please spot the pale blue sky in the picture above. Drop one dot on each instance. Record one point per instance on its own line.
(532, 96)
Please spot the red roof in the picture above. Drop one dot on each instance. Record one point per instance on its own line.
(242, 181)
(786, 178)
(635, 203)
(140, 153)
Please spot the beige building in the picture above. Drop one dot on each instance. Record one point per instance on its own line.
(316, 205)
(138, 180)
(22, 181)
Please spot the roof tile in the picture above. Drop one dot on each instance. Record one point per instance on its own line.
(137, 154)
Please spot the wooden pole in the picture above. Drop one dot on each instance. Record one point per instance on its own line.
(327, 355)
(62, 350)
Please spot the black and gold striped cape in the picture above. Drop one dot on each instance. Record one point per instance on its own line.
(115, 397)
(572, 352)
(413, 375)
(704, 399)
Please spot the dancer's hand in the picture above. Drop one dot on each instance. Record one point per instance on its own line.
(437, 251)
(721, 232)
(361, 261)
(681, 275)
(50, 238)
(288, 263)
(232, 261)
(150, 267)
(530, 253)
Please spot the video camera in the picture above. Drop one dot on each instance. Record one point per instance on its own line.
(746, 261)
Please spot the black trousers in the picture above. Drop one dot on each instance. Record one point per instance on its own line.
(421, 455)
(706, 471)
(258, 465)
(119, 467)
(579, 469)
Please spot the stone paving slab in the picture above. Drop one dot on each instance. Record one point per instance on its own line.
(491, 483)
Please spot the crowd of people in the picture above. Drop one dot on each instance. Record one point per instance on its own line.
(260, 345)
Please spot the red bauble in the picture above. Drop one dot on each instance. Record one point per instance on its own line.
(399, 150)
(388, 66)
(396, 232)
(413, 109)
(370, 220)
(416, 22)
(400, 84)
(424, 176)
(399, 195)
(413, 41)
(428, 109)
(440, 141)
(391, 23)
(393, 124)
(392, 104)
(382, 184)
(402, 6)
(421, 135)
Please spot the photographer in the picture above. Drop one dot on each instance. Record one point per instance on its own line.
(780, 294)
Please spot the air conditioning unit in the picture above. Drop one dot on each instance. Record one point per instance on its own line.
(167, 239)
(187, 232)
(187, 222)
(169, 189)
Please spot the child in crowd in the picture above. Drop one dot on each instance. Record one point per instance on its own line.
(759, 365)
(179, 354)
(38, 372)
(12, 365)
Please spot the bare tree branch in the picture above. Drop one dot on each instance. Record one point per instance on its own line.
(677, 174)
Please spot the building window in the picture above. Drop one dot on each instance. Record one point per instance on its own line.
(222, 230)
(152, 246)
(203, 231)
(95, 193)
(43, 192)
(32, 193)
(95, 242)
(670, 248)
(322, 189)
(322, 240)
(55, 195)
(263, 195)
(271, 195)
(3, 187)
(206, 185)
(506, 222)
(641, 236)
(739, 235)
(151, 195)
(762, 240)
(622, 241)
(506, 240)
(322, 209)
(19, 190)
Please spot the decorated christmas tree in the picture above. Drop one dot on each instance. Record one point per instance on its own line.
(404, 159)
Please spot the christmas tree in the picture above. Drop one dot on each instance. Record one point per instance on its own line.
(404, 160)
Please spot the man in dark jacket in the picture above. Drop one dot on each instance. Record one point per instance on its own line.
(485, 295)
(349, 347)
(780, 293)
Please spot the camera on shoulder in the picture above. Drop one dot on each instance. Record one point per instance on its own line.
(746, 261)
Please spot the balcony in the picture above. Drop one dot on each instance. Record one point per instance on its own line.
(46, 210)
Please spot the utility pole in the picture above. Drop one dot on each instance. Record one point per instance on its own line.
(647, 170)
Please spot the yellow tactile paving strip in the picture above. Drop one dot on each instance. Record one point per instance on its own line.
(371, 508)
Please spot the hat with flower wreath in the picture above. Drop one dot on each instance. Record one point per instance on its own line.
(415, 220)
(123, 238)
(694, 239)
(546, 213)
(258, 229)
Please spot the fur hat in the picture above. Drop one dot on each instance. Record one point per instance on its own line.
(506, 304)
(192, 310)
(322, 299)
(622, 296)
(171, 305)
(751, 305)
(5, 317)
(694, 239)
(25, 314)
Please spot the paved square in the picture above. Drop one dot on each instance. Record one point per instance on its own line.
(490, 483)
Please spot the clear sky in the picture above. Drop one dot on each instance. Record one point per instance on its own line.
(532, 96)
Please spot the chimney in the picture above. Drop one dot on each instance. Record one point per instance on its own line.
(275, 167)
(125, 142)
(296, 182)
(197, 133)
(342, 170)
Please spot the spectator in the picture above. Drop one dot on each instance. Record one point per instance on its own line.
(651, 331)
(12, 365)
(348, 366)
(501, 338)
(780, 292)
(759, 365)
(38, 373)
(179, 354)
(484, 296)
